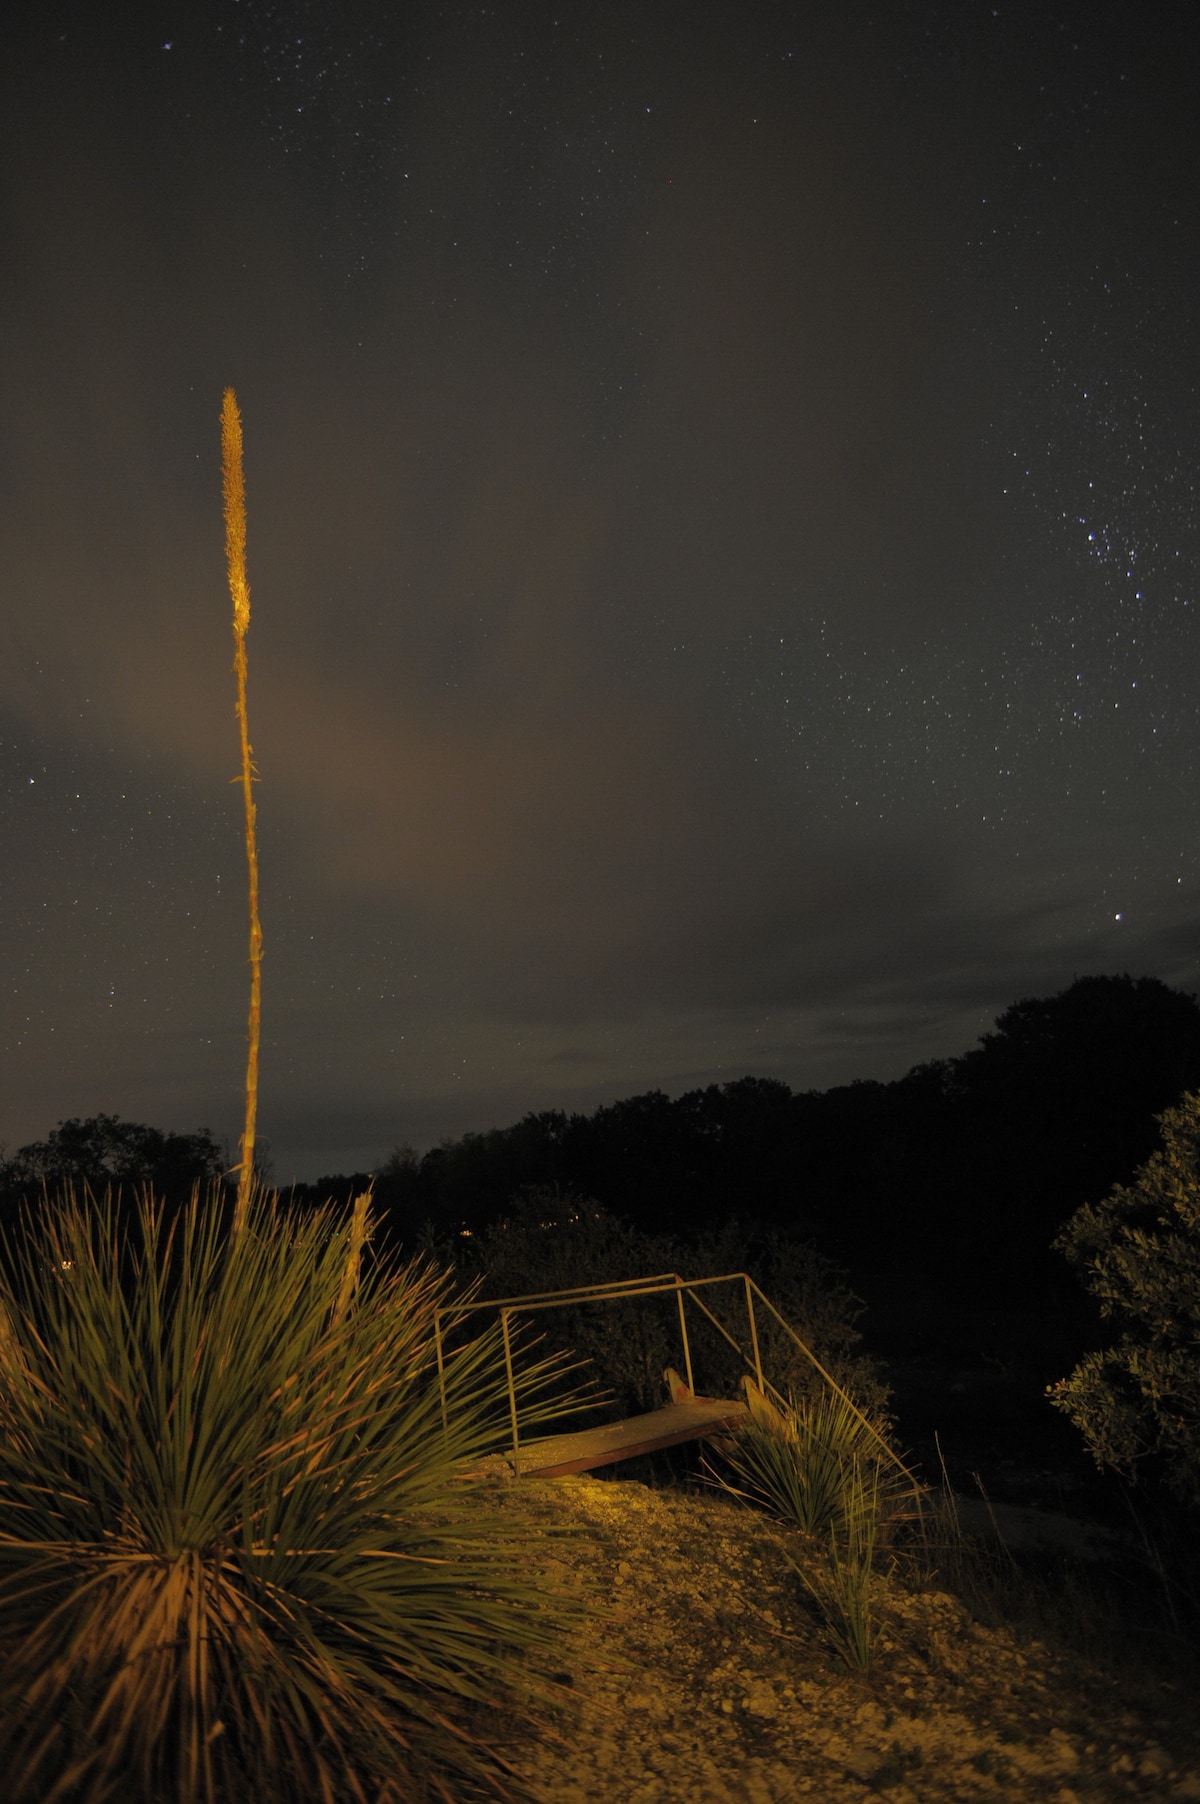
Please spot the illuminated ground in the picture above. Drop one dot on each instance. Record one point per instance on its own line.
(721, 1689)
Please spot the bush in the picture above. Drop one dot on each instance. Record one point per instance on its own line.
(556, 1240)
(1138, 1253)
(805, 1463)
(238, 1554)
(104, 1152)
(823, 1468)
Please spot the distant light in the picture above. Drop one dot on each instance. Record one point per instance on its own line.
(1118, 917)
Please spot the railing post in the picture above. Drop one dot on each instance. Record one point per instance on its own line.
(758, 1371)
(512, 1393)
(687, 1351)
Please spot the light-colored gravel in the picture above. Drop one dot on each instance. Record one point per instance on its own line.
(707, 1678)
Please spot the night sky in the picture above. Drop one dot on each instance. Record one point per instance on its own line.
(723, 540)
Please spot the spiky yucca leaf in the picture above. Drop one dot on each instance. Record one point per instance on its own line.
(238, 1557)
(803, 1463)
(842, 1583)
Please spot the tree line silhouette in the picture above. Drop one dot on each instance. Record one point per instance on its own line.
(939, 1194)
(961, 1173)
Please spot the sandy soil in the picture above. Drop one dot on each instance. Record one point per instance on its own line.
(707, 1678)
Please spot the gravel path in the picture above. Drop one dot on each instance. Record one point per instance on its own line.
(707, 1679)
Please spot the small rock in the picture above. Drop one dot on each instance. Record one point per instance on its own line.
(1061, 1751)
(863, 1760)
(760, 1700)
(639, 1700)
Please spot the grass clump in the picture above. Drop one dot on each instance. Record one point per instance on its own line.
(1119, 1608)
(822, 1466)
(841, 1580)
(803, 1463)
(238, 1555)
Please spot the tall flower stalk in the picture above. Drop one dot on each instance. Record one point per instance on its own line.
(246, 1550)
(234, 486)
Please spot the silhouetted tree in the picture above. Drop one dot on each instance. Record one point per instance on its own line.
(552, 1239)
(102, 1151)
(961, 1172)
(1138, 1254)
(1061, 1101)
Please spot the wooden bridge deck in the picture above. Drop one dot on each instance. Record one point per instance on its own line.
(695, 1420)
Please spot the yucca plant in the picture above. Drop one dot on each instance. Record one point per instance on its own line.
(802, 1462)
(238, 1557)
(841, 1579)
(821, 1465)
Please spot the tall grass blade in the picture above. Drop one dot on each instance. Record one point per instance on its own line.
(803, 1463)
(842, 1581)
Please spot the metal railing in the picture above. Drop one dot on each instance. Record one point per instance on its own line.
(623, 1290)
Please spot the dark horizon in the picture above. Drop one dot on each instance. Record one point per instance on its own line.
(722, 538)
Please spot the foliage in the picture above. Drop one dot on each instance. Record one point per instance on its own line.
(841, 1581)
(654, 1160)
(104, 1151)
(825, 1469)
(805, 1463)
(556, 1242)
(810, 1293)
(238, 1555)
(551, 1240)
(940, 1192)
(1138, 1253)
(1132, 1612)
(822, 1466)
(1065, 1092)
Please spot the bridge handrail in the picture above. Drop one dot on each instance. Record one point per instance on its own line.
(619, 1289)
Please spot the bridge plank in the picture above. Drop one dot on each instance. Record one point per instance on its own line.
(556, 1455)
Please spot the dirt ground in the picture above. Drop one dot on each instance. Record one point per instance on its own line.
(715, 1683)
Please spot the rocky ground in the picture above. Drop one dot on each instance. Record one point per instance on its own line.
(707, 1678)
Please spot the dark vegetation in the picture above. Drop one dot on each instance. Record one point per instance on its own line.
(943, 1202)
(1137, 1401)
(104, 1152)
(554, 1240)
(937, 1199)
(938, 1196)
(237, 1557)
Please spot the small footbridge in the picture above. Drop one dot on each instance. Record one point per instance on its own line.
(688, 1416)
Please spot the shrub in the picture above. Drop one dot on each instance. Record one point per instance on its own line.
(239, 1557)
(805, 1463)
(103, 1151)
(843, 1582)
(1138, 1253)
(823, 1468)
(557, 1240)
